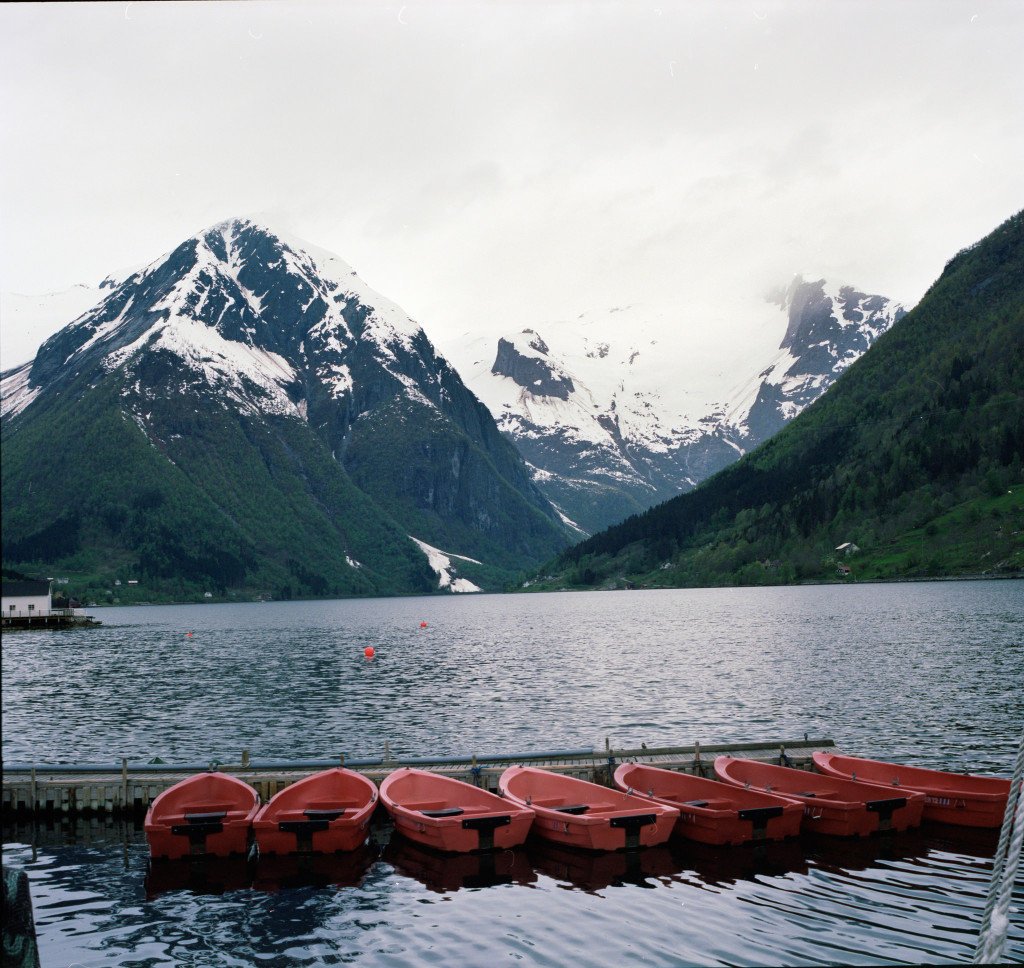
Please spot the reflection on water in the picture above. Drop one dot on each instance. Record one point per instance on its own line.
(911, 897)
(928, 674)
(446, 873)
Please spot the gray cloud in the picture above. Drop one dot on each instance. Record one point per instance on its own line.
(490, 165)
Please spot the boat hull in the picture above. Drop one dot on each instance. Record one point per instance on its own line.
(452, 816)
(322, 814)
(577, 813)
(954, 798)
(832, 806)
(208, 814)
(711, 812)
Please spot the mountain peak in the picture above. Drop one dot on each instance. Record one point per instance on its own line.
(266, 378)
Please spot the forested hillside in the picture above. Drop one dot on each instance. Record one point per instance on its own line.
(913, 456)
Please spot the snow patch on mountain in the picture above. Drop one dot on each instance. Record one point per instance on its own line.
(441, 562)
(233, 369)
(15, 391)
(388, 322)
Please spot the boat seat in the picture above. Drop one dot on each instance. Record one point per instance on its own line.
(324, 814)
(574, 808)
(695, 803)
(206, 817)
(446, 812)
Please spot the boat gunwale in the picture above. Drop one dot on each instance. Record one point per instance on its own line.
(839, 805)
(483, 808)
(591, 817)
(710, 813)
(270, 812)
(965, 792)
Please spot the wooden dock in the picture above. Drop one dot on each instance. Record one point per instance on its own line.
(58, 618)
(128, 789)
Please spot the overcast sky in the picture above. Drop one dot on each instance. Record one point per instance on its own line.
(491, 166)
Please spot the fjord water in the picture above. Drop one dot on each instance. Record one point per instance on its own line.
(928, 673)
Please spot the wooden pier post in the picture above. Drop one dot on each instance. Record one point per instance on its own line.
(245, 759)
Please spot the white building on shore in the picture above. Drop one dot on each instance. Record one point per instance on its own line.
(26, 599)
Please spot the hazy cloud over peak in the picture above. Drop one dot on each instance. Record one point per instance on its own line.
(489, 165)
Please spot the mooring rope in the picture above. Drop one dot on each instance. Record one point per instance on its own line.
(996, 922)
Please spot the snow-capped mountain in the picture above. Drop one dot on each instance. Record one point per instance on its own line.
(244, 348)
(829, 326)
(609, 430)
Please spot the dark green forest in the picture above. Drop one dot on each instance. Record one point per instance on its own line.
(914, 456)
(246, 507)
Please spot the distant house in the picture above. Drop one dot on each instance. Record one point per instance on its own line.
(844, 570)
(26, 599)
(848, 548)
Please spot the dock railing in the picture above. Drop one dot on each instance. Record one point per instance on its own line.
(126, 789)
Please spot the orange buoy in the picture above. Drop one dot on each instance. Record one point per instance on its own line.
(368, 652)
(423, 625)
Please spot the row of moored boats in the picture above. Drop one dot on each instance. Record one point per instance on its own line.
(217, 814)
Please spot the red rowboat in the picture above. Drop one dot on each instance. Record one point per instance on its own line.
(583, 814)
(955, 798)
(712, 812)
(447, 814)
(322, 813)
(205, 814)
(834, 806)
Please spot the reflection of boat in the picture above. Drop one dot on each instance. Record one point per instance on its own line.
(842, 808)
(712, 812)
(450, 815)
(583, 814)
(208, 813)
(198, 875)
(717, 868)
(594, 870)
(322, 813)
(844, 855)
(445, 872)
(278, 872)
(956, 798)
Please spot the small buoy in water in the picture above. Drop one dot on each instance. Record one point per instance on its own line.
(423, 625)
(190, 635)
(368, 652)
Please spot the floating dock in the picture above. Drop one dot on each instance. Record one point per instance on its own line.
(126, 790)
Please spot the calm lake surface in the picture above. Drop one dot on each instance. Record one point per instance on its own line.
(930, 674)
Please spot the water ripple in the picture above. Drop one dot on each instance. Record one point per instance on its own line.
(924, 673)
